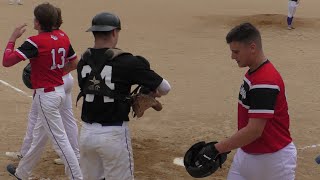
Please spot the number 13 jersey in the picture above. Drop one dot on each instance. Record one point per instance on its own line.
(48, 53)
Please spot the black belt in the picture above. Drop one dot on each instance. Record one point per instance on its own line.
(116, 123)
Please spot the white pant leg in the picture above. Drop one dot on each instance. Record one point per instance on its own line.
(90, 161)
(237, 166)
(128, 153)
(292, 6)
(272, 166)
(120, 166)
(112, 145)
(32, 119)
(31, 158)
(71, 129)
(67, 85)
(67, 116)
(48, 107)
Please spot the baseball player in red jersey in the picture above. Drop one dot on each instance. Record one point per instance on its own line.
(264, 146)
(66, 112)
(48, 54)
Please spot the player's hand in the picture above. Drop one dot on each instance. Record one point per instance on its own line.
(155, 94)
(18, 31)
(207, 153)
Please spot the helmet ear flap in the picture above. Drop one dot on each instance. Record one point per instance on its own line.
(26, 76)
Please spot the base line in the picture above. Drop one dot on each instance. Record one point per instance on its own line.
(22, 92)
(14, 88)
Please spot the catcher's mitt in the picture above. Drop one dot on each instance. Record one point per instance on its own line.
(203, 159)
(141, 102)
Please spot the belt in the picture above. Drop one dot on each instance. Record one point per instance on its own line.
(116, 123)
(50, 89)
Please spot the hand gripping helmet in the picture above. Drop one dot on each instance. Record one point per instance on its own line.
(105, 22)
(26, 76)
(206, 169)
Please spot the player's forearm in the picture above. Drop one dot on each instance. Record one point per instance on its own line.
(241, 138)
(70, 66)
(9, 58)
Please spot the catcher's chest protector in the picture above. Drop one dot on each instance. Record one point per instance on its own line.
(94, 83)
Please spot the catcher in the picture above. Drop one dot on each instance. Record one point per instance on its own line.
(105, 76)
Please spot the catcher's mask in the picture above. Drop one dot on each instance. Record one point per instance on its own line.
(26, 76)
(196, 170)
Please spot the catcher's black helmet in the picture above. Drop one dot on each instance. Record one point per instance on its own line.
(26, 76)
(201, 171)
(105, 22)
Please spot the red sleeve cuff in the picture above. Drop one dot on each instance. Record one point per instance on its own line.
(9, 57)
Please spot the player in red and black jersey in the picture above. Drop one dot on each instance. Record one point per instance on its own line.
(48, 53)
(66, 112)
(263, 142)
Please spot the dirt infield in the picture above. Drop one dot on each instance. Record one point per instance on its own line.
(185, 42)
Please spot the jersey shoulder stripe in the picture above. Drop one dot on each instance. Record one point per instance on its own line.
(265, 86)
(33, 43)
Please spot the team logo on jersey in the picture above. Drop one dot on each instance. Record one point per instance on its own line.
(54, 37)
(95, 85)
(243, 92)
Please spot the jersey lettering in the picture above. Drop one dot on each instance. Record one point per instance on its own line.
(106, 74)
(62, 53)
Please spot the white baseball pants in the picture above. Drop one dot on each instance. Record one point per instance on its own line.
(49, 125)
(106, 152)
(280, 165)
(292, 6)
(67, 116)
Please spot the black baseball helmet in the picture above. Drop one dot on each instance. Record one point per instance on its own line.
(26, 76)
(105, 22)
(206, 169)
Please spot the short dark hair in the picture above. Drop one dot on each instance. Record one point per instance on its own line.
(59, 19)
(103, 33)
(244, 33)
(47, 16)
